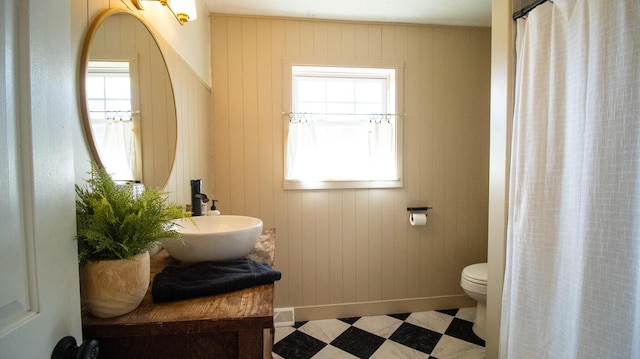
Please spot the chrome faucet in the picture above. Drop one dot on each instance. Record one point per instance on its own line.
(197, 197)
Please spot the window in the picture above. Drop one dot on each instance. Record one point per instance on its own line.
(109, 99)
(343, 128)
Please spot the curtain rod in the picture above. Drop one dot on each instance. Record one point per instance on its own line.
(116, 111)
(297, 117)
(291, 114)
(525, 10)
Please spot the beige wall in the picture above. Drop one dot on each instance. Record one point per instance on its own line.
(192, 97)
(345, 246)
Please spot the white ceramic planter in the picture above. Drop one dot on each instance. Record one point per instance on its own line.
(114, 287)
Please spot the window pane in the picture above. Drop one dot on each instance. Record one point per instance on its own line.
(118, 105)
(369, 108)
(312, 107)
(309, 90)
(370, 91)
(96, 110)
(118, 87)
(95, 87)
(340, 91)
(95, 105)
(341, 108)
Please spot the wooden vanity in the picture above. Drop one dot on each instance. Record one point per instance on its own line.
(233, 325)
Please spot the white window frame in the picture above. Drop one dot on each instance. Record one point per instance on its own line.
(104, 70)
(396, 93)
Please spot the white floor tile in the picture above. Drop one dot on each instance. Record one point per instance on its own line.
(436, 321)
(391, 349)
(468, 314)
(454, 348)
(381, 325)
(326, 330)
(330, 352)
(282, 332)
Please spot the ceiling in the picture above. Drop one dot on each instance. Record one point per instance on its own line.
(435, 12)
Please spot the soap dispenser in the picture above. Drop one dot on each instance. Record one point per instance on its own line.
(213, 211)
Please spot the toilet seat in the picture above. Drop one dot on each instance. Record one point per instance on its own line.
(474, 278)
(476, 273)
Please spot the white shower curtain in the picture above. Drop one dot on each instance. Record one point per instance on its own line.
(572, 277)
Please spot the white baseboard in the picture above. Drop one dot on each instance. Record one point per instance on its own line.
(345, 310)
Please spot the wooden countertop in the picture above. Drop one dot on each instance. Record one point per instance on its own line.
(243, 309)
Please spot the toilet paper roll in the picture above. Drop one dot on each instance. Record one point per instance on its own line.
(418, 219)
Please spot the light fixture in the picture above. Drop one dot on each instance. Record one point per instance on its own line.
(183, 10)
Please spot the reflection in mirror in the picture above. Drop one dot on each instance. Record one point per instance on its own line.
(128, 104)
(109, 97)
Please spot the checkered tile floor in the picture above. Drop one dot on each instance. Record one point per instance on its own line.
(436, 334)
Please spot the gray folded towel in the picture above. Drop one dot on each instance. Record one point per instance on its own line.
(209, 278)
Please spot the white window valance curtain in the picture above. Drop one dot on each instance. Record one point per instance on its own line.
(347, 151)
(572, 276)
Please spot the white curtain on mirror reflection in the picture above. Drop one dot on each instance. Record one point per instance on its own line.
(118, 149)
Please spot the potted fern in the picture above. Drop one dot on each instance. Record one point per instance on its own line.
(115, 229)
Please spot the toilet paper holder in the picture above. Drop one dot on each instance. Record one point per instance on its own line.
(417, 218)
(417, 209)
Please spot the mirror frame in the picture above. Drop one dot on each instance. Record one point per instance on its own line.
(82, 93)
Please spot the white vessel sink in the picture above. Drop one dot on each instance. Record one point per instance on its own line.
(214, 238)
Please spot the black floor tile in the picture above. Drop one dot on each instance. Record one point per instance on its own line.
(349, 320)
(451, 312)
(299, 324)
(416, 337)
(462, 329)
(358, 342)
(401, 316)
(298, 345)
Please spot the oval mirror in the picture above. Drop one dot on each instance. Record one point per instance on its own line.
(127, 102)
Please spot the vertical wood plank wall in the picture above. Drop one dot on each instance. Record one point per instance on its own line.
(192, 105)
(356, 246)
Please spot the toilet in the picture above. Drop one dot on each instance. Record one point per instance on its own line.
(474, 282)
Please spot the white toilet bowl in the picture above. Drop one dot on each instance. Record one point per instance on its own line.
(474, 282)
